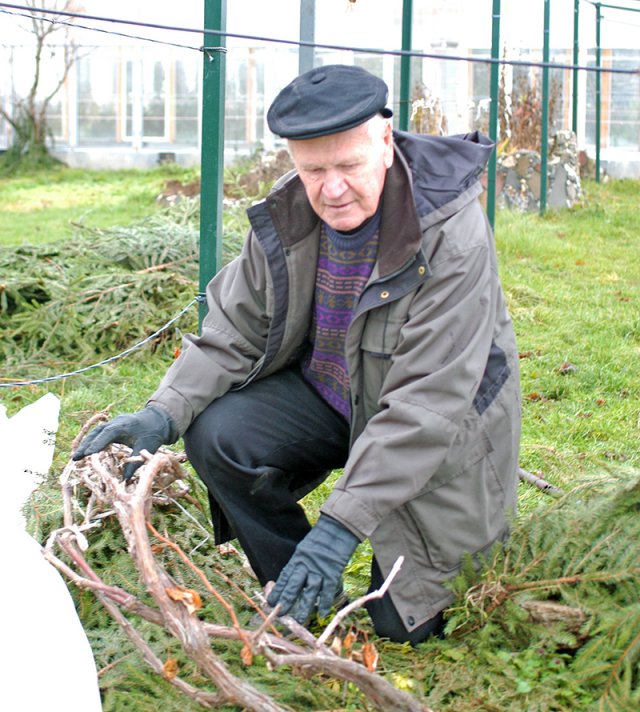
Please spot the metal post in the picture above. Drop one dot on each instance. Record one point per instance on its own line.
(576, 58)
(212, 150)
(544, 138)
(307, 34)
(598, 88)
(493, 112)
(405, 64)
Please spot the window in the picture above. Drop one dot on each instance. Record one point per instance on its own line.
(147, 93)
(96, 71)
(186, 106)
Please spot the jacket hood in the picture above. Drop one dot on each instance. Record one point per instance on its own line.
(443, 168)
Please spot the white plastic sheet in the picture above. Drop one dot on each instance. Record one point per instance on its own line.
(47, 663)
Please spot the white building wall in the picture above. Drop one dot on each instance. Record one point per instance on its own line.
(456, 27)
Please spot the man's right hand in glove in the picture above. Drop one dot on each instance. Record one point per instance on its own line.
(147, 429)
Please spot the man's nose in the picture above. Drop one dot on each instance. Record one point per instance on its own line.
(334, 184)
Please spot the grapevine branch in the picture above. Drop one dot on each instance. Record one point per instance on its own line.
(93, 491)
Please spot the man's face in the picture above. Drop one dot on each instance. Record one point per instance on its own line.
(343, 174)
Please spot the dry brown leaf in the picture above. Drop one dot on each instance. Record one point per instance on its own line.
(228, 550)
(336, 645)
(189, 598)
(370, 656)
(246, 655)
(349, 640)
(535, 396)
(170, 668)
(567, 367)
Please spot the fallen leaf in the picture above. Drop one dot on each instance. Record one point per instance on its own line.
(349, 640)
(535, 396)
(336, 645)
(601, 401)
(246, 655)
(567, 368)
(403, 682)
(170, 668)
(228, 550)
(177, 352)
(370, 656)
(190, 599)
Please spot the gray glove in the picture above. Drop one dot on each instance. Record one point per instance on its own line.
(147, 429)
(312, 576)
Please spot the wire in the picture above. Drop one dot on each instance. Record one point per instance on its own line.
(612, 7)
(126, 352)
(98, 29)
(300, 43)
(19, 10)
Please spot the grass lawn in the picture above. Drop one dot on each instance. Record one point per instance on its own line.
(41, 207)
(572, 281)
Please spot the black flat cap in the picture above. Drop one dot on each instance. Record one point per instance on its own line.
(326, 100)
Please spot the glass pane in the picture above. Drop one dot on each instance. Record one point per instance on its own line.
(186, 100)
(625, 102)
(97, 86)
(128, 127)
(153, 99)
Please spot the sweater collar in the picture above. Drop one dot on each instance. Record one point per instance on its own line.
(355, 239)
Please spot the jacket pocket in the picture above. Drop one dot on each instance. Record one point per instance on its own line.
(381, 333)
(464, 514)
(378, 342)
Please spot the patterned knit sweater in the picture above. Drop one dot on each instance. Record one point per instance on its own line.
(345, 264)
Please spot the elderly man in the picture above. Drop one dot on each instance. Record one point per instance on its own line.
(363, 326)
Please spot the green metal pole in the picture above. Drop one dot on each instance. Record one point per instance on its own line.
(544, 138)
(576, 57)
(306, 53)
(405, 65)
(598, 88)
(212, 151)
(493, 112)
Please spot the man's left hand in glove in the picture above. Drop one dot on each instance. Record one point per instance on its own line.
(312, 577)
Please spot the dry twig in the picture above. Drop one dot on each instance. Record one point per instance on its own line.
(92, 489)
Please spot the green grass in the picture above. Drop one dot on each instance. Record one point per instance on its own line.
(40, 207)
(572, 281)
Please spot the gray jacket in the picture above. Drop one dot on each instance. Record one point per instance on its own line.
(435, 394)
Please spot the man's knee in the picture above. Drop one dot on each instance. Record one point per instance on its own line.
(210, 443)
(388, 623)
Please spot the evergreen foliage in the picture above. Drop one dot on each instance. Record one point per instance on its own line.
(579, 552)
(97, 294)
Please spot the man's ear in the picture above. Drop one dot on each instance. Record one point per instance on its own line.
(388, 144)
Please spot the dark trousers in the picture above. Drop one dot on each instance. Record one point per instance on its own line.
(259, 450)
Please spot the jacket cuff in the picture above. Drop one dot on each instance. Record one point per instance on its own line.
(352, 513)
(178, 409)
